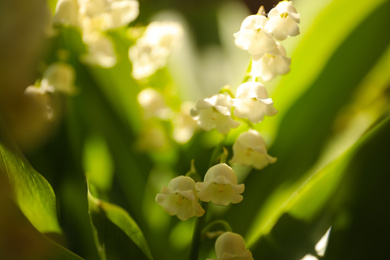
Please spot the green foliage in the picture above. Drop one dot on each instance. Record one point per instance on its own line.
(111, 225)
(331, 138)
(33, 193)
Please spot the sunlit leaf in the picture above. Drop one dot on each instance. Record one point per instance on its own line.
(33, 193)
(117, 235)
(310, 209)
(19, 239)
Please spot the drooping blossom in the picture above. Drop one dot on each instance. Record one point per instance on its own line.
(153, 104)
(100, 51)
(271, 65)
(214, 112)
(283, 21)
(59, 77)
(94, 17)
(184, 125)
(229, 246)
(179, 198)
(252, 102)
(67, 13)
(220, 186)
(253, 38)
(250, 150)
(152, 50)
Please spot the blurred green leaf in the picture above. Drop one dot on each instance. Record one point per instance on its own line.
(117, 236)
(361, 226)
(320, 40)
(310, 210)
(33, 193)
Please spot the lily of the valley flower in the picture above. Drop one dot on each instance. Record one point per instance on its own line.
(214, 112)
(179, 198)
(59, 77)
(67, 12)
(153, 104)
(250, 150)
(100, 51)
(271, 64)
(252, 36)
(283, 21)
(184, 124)
(112, 14)
(230, 246)
(93, 17)
(220, 186)
(152, 50)
(252, 102)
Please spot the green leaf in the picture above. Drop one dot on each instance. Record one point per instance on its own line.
(361, 226)
(320, 40)
(117, 235)
(33, 193)
(19, 239)
(329, 192)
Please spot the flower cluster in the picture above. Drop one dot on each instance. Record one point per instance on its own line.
(181, 195)
(258, 35)
(94, 17)
(157, 112)
(250, 104)
(151, 51)
(223, 111)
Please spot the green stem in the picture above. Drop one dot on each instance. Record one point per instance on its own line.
(198, 234)
(200, 222)
(221, 222)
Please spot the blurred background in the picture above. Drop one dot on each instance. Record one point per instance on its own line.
(331, 136)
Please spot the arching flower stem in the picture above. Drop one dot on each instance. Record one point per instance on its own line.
(224, 155)
(193, 173)
(226, 89)
(207, 230)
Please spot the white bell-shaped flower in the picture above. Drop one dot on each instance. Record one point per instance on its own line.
(67, 12)
(122, 13)
(92, 7)
(146, 59)
(229, 246)
(220, 186)
(59, 77)
(250, 150)
(184, 125)
(164, 34)
(214, 112)
(100, 51)
(114, 13)
(152, 50)
(179, 198)
(283, 21)
(253, 38)
(271, 65)
(153, 104)
(93, 17)
(252, 102)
